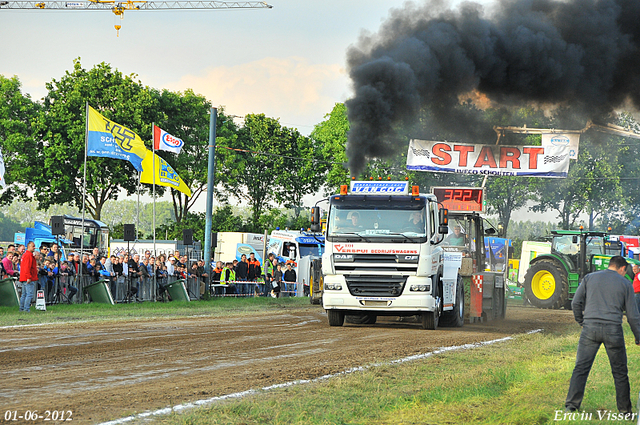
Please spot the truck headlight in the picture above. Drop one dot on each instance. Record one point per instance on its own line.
(333, 286)
(420, 288)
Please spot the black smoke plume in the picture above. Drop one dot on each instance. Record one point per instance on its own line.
(578, 53)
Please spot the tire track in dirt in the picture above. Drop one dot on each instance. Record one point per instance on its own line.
(108, 370)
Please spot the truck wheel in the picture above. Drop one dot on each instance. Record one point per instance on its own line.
(546, 284)
(336, 317)
(430, 320)
(455, 317)
(361, 319)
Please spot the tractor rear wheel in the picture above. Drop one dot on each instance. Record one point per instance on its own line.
(546, 284)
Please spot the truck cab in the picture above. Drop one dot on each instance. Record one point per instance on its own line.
(383, 256)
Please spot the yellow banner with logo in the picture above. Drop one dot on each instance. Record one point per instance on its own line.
(165, 175)
(112, 140)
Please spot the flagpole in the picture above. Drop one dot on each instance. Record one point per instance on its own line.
(153, 143)
(84, 185)
(138, 206)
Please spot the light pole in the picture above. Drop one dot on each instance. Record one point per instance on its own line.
(210, 188)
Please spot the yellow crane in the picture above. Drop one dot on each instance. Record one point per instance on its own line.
(118, 7)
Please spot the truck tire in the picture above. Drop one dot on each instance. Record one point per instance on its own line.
(430, 320)
(336, 317)
(546, 284)
(361, 319)
(455, 317)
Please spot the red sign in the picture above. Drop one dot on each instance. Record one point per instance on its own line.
(461, 198)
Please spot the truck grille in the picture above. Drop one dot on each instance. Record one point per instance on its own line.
(376, 263)
(375, 258)
(375, 286)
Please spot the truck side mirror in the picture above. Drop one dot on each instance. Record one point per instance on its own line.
(575, 239)
(443, 215)
(315, 219)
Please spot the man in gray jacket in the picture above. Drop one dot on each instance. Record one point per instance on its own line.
(598, 305)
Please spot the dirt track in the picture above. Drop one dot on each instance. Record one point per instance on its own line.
(107, 371)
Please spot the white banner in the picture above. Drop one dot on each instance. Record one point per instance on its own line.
(2, 182)
(454, 157)
(572, 140)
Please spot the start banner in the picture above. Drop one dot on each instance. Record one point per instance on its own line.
(495, 160)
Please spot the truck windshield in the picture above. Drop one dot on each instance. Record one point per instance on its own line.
(384, 222)
(313, 250)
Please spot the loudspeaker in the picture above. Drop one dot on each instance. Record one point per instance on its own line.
(187, 236)
(214, 239)
(129, 232)
(57, 225)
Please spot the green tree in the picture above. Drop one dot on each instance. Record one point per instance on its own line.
(332, 136)
(592, 185)
(507, 194)
(186, 115)
(624, 216)
(252, 173)
(17, 114)
(301, 170)
(223, 220)
(55, 161)
(9, 227)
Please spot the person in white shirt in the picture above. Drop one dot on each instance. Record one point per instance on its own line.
(170, 266)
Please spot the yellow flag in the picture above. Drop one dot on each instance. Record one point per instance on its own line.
(112, 140)
(165, 174)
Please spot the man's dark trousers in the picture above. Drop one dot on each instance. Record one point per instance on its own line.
(592, 336)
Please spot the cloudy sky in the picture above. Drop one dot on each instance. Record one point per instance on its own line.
(287, 62)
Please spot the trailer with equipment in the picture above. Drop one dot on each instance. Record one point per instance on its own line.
(468, 240)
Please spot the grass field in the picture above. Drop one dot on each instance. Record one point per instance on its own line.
(98, 312)
(522, 381)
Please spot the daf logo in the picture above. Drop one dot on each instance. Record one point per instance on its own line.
(410, 257)
(343, 257)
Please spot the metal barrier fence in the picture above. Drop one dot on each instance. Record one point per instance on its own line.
(254, 289)
(71, 289)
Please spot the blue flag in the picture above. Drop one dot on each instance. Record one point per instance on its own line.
(112, 140)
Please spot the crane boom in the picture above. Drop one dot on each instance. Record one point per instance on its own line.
(118, 7)
(133, 5)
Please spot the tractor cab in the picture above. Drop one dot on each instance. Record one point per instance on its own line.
(578, 248)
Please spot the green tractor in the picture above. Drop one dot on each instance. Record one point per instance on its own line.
(552, 279)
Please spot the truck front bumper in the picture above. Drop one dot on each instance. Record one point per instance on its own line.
(408, 302)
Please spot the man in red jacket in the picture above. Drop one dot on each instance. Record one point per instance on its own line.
(28, 277)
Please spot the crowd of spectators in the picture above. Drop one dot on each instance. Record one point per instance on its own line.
(59, 275)
(247, 277)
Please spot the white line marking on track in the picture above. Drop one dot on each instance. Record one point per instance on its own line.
(186, 406)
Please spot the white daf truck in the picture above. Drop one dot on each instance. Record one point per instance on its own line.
(383, 256)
